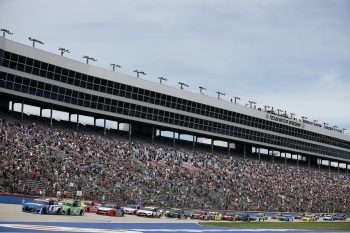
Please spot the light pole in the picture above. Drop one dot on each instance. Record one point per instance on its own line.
(292, 115)
(182, 85)
(237, 98)
(63, 50)
(162, 79)
(325, 124)
(278, 111)
(220, 94)
(315, 121)
(89, 58)
(251, 103)
(35, 41)
(139, 72)
(201, 90)
(115, 65)
(5, 31)
(335, 127)
(266, 107)
(344, 130)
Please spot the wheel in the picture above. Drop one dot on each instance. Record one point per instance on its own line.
(42, 211)
(58, 211)
(68, 212)
(81, 213)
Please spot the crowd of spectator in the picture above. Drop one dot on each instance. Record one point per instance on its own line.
(40, 160)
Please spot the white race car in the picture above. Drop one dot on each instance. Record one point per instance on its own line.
(131, 209)
(150, 212)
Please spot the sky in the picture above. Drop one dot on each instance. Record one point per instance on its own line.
(290, 54)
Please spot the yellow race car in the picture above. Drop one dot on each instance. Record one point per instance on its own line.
(308, 218)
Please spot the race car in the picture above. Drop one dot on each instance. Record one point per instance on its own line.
(262, 216)
(71, 207)
(210, 216)
(228, 216)
(89, 206)
(110, 210)
(180, 214)
(285, 218)
(42, 206)
(340, 217)
(131, 209)
(328, 217)
(258, 217)
(308, 218)
(276, 216)
(299, 216)
(150, 212)
(243, 217)
(196, 214)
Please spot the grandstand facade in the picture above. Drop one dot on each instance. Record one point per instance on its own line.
(32, 76)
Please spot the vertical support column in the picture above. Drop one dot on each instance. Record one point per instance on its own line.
(130, 128)
(153, 133)
(273, 157)
(338, 167)
(194, 143)
(178, 136)
(41, 112)
(297, 160)
(285, 158)
(118, 126)
(104, 127)
(51, 116)
(244, 151)
(22, 109)
(77, 121)
(174, 139)
(95, 121)
(69, 117)
(309, 160)
(13, 106)
(212, 146)
(329, 165)
(229, 148)
(259, 153)
(347, 169)
(319, 164)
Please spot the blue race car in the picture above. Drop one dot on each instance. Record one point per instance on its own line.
(285, 218)
(42, 206)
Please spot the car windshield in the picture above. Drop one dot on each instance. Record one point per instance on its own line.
(42, 202)
(198, 212)
(132, 206)
(67, 203)
(108, 206)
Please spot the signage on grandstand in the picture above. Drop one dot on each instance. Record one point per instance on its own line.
(285, 121)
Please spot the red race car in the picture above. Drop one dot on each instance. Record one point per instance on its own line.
(110, 210)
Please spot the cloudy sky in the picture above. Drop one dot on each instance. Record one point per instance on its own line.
(290, 54)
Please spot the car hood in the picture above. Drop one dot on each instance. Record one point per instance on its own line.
(145, 211)
(33, 205)
(105, 208)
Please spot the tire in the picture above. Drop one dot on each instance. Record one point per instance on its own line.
(68, 212)
(81, 213)
(42, 211)
(58, 211)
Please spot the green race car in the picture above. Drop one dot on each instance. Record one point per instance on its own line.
(71, 207)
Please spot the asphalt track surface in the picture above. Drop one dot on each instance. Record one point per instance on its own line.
(13, 220)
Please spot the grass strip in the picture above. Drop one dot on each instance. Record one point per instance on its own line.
(282, 225)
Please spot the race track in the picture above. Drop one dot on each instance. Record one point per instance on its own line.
(13, 220)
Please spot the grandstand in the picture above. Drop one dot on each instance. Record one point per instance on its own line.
(139, 165)
(35, 77)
